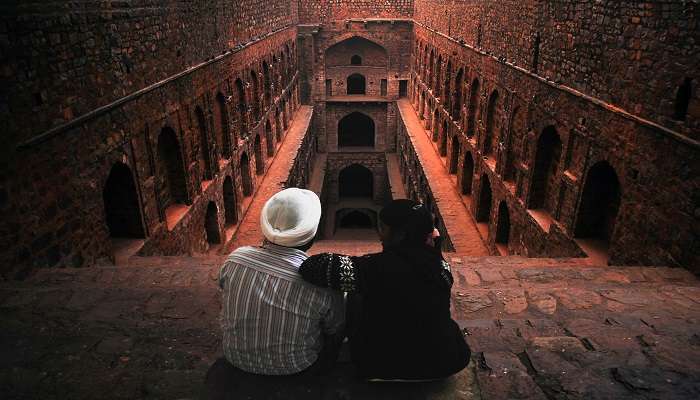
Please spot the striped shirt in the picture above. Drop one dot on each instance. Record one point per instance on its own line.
(272, 320)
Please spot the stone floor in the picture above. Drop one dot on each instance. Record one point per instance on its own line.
(539, 329)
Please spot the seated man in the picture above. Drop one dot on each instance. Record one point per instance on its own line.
(273, 322)
(404, 329)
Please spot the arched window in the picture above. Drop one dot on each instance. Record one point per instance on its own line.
(230, 205)
(517, 131)
(489, 136)
(356, 130)
(174, 185)
(356, 84)
(259, 157)
(269, 138)
(467, 174)
(356, 181)
(600, 204)
(121, 204)
(242, 109)
(205, 153)
(545, 170)
(356, 60)
(683, 96)
(244, 167)
(268, 84)
(454, 157)
(483, 212)
(211, 224)
(224, 129)
(503, 226)
(473, 105)
(443, 138)
(256, 94)
(457, 99)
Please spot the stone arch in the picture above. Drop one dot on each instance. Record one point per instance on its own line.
(356, 130)
(230, 203)
(473, 106)
(457, 99)
(545, 169)
(242, 108)
(600, 203)
(683, 96)
(467, 173)
(267, 82)
(269, 138)
(483, 212)
(205, 153)
(436, 125)
(517, 130)
(244, 167)
(211, 224)
(356, 84)
(171, 164)
(121, 204)
(357, 218)
(278, 125)
(356, 180)
(454, 155)
(443, 137)
(255, 94)
(503, 224)
(489, 135)
(259, 157)
(438, 76)
(224, 129)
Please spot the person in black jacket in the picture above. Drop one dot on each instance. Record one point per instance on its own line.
(403, 330)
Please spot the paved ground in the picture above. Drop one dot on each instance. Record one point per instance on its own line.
(539, 329)
(460, 224)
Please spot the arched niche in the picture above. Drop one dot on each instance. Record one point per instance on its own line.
(356, 130)
(121, 204)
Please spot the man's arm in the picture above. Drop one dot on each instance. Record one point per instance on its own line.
(335, 271)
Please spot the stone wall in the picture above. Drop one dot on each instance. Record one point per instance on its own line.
(632, 54)
(657, 212)
(314, 11)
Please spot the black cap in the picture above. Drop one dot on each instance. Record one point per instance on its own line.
(409, 215)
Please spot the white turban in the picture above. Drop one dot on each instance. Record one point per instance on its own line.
(290, 218)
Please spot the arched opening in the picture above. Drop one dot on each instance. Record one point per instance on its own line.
(503, 226)
(356, 84)
(170, 164)
(259, 157)
(431, 69)
(457, 99)
(256, 94)
(211, 224)
(269, 138)
(467, 174)
(205, 153)
(244, 167)
(448, 95)
(473, 105)
(600, 204)
(516, 132)
(436, 125)
(121, 203)
(278, 125)
(483, 213)
(443, 138)
(230, 206)
(356, 130)
(545, 170)
(355, 219)
(489, 137)
(454, 157)
(683, 96)
(356, 181)
(438, 76)
(356, 60)
(224, 128)
(242, 108)
(268, 83)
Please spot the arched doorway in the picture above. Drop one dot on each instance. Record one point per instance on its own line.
(256, 95)
(268, 83)
(355, 219)
(356, 130)
(224, 129)
(269, 138)
(244, 167)
(443, 138)
(356, 181)
(211, 224)
(489, 137)
(545, 170)
(436, 125)
(278, 125)
(356, 84)
(230, 206)
(259, 160)
(503, 226)
(467, 174)
(206, 164)
(356, 60)
(483, 213)
(457, 99)
(121, 204)
(454, 157)
(242, 109)
(600, 204)
(473, 105)
(170, 164)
